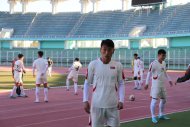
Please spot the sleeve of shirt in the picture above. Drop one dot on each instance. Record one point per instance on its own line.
(151, 67)
(121, 85)
(33, 67)
(46, 66)
(88, 81)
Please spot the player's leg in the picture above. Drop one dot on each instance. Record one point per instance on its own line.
(23, 94)
(97, 117)
(69, 77)
(162, 105)
(139, 83)
(135, 80)
(37, 91)
(112, 117)
(50, 71)
(16, 79)
(21, 86)
(13, 91)
(75, 80)
(45, 89)
(155, 95)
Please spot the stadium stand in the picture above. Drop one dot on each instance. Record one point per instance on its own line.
(100, 24)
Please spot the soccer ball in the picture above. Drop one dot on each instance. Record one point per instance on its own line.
(132, 97)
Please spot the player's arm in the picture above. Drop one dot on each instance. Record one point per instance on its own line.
(151, 68)
(23, 68)
(132, 65)
(13, 63)
(185, 77)
(168, 77)
(33, 69)
(45, 69)
(121, 87)
(88, 81)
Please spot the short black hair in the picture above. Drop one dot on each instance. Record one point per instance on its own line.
(40, 53)
(161, 51)
(76, 59)
(135, 54)
(20, 56)
(108, 42)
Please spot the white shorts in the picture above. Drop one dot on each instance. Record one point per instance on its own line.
(41, 79)
(18, 77)
(73, 75)
(158, 92)
(105, 116)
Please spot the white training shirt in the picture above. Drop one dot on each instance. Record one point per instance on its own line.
(141, 65)
(106, 78)
(158, 71)
(136, 65)
(18, 66)
(40, 65)
(76, 66)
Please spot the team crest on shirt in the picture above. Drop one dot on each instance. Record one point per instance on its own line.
(112, 67)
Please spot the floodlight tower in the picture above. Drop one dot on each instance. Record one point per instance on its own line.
(95, 5)
(55, 3)
(12, 4)
(84, 5)
(125, 4)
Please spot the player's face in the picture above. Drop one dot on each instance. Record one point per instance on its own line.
(106, 53)
(22, 58)
(162, 57)
(135, 57)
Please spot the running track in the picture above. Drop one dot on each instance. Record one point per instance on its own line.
(66, 109)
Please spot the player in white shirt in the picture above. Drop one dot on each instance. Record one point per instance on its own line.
(73, 75)
(107, 79)
(136, 71)
(140, 73)
(19, 69)
(158, 71)
(41, 65)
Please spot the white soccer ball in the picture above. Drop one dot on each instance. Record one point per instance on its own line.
(132, 97)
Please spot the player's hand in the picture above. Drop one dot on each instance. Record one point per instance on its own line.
(42, 74)
(132, 72)
(24, 71)
(171, 83)
(120, 106)
(34, 75)
(87, 107)
(146, 87)
(175, 82)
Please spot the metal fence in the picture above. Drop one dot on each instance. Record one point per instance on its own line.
(177, 58)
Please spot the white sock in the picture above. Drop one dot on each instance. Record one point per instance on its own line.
(152, 107)
(139, 84)
(13, 91)
(45, 94)
(161, 107)
(37, 93)
(67, 83)
(136, 83)
(75, 87)
(22, 91)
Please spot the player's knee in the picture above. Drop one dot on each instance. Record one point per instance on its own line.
(45, 85)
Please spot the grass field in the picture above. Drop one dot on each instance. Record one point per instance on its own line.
(177, 120)
(6, 80)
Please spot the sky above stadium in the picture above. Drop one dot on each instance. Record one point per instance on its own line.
(70, 5)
